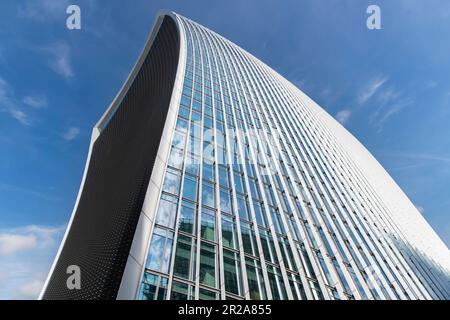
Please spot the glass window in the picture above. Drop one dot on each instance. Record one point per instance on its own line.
(160, 250)
(221, 156)
(276, 283)
(172, 181)
(296, 287)
(185, 101)
(208, 264)
(207, 295)
(153, 287)
(181, 291)
(182, 125)
(259, 214)
(223, 177)
(196, 105)
(228, 232)
(225, 201)
(167, 211)
(195, 146)
(267, 249)
(178, 140)
(192, 164)
(196, 116)
(208, 224)
(187, 217)
(208, 194)
(208, 171)
(248, 238)
(190, 188)
(176, 158)
(239, 183)
(232, 271)
(255, 280)
(184, 254)
(149, 287)
(184, 112)
(243, 207)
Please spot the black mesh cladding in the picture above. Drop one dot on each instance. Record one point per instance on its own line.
(119, 171)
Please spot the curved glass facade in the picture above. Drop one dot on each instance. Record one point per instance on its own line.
(260, 200)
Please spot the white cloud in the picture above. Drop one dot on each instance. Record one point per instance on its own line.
(20, 116)
(343, 116)
(31, 290)
(369, 90)
(25, 259)
(12, 243)
(393, 110)
(388, 95)
(36, 102)
(60, 59)
(43, 10)
(26, 238)
(71, 133)
(8, 103)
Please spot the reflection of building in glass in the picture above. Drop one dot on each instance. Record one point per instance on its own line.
(239, 186)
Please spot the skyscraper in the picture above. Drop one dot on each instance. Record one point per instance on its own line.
(212, 177)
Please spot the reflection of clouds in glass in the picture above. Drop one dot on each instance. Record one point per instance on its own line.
(182, 125)
(160, 250)
(166, 212)
(178, 140)
(166, 256)
(171, 183)
(208, 196)
(156, 250)
(225, 202)
(176, 158)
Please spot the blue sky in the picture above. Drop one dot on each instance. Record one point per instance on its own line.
(389, 87)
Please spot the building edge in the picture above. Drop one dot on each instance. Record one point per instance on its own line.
(103, 121)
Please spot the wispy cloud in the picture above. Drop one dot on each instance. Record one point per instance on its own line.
(420, 156)
(343, 116)
(60, 59)
(36, 102)
(27, 191)
(43, 10)
(388, 95)
(12, 243)
(370, 89)
(391, 111)
(8, 103)
(71, 133)
(20, 116)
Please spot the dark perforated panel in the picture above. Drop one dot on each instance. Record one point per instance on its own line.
(119, 171)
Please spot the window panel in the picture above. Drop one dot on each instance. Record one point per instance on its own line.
(187, 217)
(257, 290)
(172, 181)
(167, 211)
(190, 188)
(228, 232)
(208, 194)
(184, 257)
(160, 250)
(232, 271)
(208, 224)
(208, 264)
